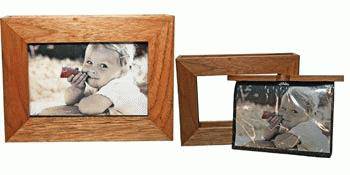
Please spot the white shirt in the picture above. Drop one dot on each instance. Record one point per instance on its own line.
(311, 137)
(125, 96)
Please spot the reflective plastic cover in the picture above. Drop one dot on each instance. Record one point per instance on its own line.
(284, 117)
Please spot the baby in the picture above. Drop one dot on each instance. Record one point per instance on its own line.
(112, 90)
(296, 128)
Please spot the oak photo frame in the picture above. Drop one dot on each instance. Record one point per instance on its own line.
(239, 67)
(195, 132)
(19, 31)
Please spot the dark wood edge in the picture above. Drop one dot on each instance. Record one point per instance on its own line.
(206, 65)
(188, 100)
(211, 133)
(318, 78)
(235, 55)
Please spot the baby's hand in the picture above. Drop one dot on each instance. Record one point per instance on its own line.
(274, 120)
(78, 80)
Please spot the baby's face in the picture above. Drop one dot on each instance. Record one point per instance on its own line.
(292, 113)
(101, 64)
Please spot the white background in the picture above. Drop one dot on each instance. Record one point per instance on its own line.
(317, 30)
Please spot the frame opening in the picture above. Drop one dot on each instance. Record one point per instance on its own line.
(112, 75)
(215, 97)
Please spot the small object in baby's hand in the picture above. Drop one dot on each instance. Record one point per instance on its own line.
(67, 71)
(269, 115)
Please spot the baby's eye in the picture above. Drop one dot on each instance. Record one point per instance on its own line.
(88, 62)
(103, 66)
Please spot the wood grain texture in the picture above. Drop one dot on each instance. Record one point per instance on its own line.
(189, 67)
(157, 30)
(317, 78)
(15, 79)
(161, 78)
(211, 133)
(205, 65)
(62, 29)
(188, 98)
(88, 129)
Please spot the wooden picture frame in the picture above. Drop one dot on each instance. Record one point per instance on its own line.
(19, 31)
(195, 132)
(241, 67)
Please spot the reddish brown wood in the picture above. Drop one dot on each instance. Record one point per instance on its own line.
(157, 30)
(15, 72)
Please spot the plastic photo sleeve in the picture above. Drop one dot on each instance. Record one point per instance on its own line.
(284, 117)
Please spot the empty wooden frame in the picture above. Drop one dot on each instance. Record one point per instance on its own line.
(194, 132)
(18, 32)
(245, 67)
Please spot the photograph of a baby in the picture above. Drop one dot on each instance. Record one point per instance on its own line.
(88, 79)
(293, 117)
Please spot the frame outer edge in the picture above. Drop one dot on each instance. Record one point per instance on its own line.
(11, 126)
(166, 129)
(189, 122)
(181, 61)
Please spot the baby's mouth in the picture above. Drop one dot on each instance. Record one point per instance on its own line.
(94, 78)
(91, 77)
